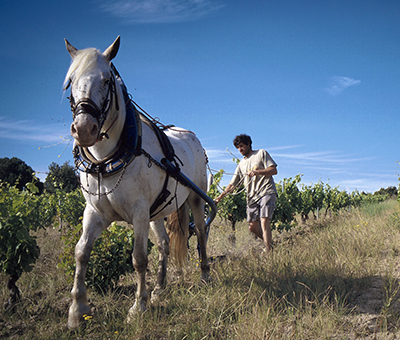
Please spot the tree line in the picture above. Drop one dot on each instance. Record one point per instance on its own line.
(16, 172)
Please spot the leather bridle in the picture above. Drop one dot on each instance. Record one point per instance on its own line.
(88, 106)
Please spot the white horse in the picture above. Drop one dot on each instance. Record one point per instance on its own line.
(126, 175)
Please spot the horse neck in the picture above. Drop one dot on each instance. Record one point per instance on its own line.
(113, 126)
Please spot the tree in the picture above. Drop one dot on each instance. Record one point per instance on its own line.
(15, 172)
(20, 212)
(62, 177)
(389, 192)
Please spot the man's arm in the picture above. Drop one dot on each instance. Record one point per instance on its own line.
(270, 171)
(227, 191)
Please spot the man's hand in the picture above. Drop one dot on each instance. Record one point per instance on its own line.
(217, 199)
(253, 171)
(227, 191)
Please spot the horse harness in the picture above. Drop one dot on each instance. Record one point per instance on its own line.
(129, 146)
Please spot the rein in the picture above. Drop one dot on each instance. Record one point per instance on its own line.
(235, 187)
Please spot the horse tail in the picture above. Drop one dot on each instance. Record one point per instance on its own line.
(178, 232)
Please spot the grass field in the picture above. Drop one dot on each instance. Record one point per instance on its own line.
(336, 278)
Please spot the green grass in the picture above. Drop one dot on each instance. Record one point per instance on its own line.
(330, 279)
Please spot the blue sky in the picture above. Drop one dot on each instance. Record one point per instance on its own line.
(315, 83)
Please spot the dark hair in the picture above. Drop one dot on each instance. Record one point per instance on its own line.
(243, 138)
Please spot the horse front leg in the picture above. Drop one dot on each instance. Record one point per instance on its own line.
(139, 260)
(162, 240)
(92, 228)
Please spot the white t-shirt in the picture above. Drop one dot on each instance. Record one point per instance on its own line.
(257, 186)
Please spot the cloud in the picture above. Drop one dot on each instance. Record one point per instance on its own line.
(276, 148)
(339, 84)
(329, 161)
(366, 184)
(326, 157)
(219, 156)
(160, 11)
(30, 131)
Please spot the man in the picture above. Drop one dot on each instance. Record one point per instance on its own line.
(256, 170)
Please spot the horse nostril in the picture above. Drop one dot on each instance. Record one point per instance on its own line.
(73, 129)
(94, 129)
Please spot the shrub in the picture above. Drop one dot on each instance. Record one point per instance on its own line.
(20, 213)
(288, 203)
(109, 259)
(233, 207)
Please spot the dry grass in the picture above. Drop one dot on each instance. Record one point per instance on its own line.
(332, 279)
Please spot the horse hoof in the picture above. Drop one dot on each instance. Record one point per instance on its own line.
(156, 294)
(74, 322)
(137, 309)
(75, 317)
(205, 279)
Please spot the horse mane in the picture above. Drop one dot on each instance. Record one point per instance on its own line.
(84, 61)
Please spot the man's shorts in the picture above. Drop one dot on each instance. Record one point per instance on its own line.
(263, 208)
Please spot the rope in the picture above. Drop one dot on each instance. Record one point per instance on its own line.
(231, 174)
(232, 193)
(241, 181)
(157, 120)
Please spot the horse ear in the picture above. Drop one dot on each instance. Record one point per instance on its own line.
(71, 49)
(112, 50)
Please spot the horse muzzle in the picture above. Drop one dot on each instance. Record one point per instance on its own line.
(85, 130)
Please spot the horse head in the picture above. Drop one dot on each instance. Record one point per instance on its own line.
(93, 91)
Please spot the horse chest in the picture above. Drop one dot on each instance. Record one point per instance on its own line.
(114, 197)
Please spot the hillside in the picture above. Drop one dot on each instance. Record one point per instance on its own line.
(336, 278)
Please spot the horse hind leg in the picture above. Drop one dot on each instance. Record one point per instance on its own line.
(197, 208)
(162, 240)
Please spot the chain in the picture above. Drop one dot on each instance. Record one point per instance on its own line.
(149, 164)
(152, 160)
(99, 194)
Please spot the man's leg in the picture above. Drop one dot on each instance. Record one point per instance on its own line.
(267, 234)
(261, 227)
(262, 231)
(255, 228)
